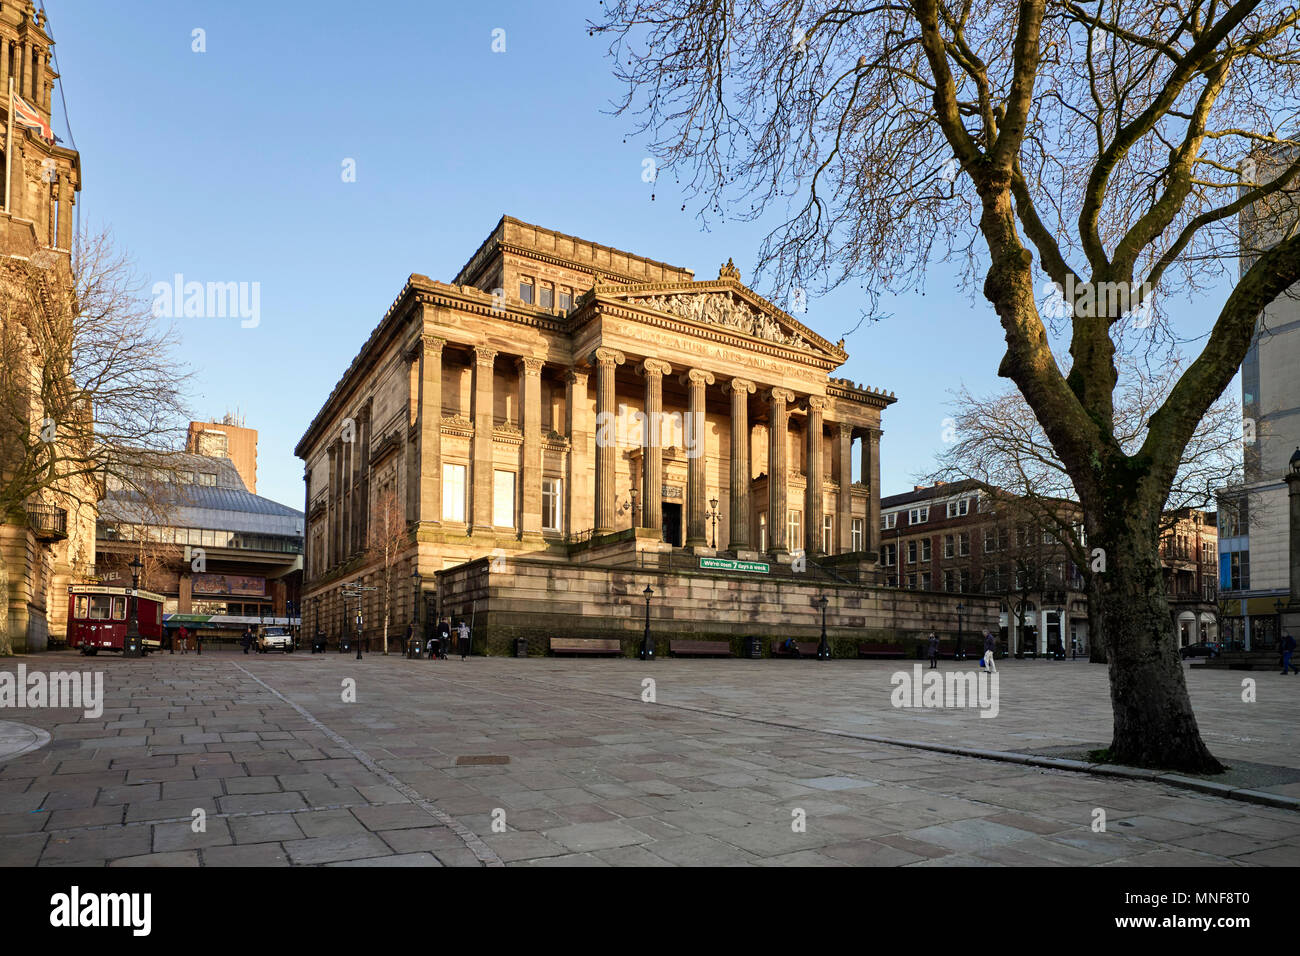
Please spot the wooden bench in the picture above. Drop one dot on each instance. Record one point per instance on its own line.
(700, 648)
(806, 649)
(586, 645)
(881, 650)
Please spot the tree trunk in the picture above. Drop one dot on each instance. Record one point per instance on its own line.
(1096, 634)
(1154, 723)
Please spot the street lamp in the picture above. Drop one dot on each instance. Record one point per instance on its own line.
(416, 582)
(960, 653)
(823, 649)
(647, 652)
(712, 515)
(131, 643)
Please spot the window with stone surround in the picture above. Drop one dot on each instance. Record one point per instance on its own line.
(566, 299)
(795, 530)
(453, 493)
(889, 521)
(526, 290)
(546, 295)
(762, 531)
(856, 536)
(552, 498)
(828, 533)
(503, 499)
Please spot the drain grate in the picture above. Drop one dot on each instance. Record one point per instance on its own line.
(481, 760)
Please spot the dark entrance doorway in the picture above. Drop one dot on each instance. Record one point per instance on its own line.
(672, 515)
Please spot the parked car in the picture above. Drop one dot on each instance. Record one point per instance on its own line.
(274, 639)
(1201, 649)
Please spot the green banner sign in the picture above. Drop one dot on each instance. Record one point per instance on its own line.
(731, 564)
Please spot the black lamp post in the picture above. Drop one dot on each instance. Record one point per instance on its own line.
(960, 652)
(712, 515)
(823, 649)
(359, 624)
(131, 643)
(647, 652)
(1278, 606)
(416, 581)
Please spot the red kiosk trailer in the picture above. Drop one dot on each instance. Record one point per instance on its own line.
(98, 616)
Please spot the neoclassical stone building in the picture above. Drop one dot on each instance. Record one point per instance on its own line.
(567, 419)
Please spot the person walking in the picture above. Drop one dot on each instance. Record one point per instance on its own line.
(1288, 650)
(444, 638)
(462, 632)
(247, 639)
(184, 637)
(934, 650)
(989, 646)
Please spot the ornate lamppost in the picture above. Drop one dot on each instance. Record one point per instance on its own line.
(647, 652)
(131, 642)
(824, 648)
(416, 582)
(712, 516)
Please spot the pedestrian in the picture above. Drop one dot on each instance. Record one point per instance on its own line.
(444, 638)
(934, 650)
(1288, 649)
(989, 645)
(462, 632)
(247, 639)
(184, 637)
(410, 638)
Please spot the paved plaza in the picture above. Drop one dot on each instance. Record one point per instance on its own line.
(496, 761)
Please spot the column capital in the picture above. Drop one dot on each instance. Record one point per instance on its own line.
(652, 366)
(697, 376)
(741, 385)
(484, 355)
(432, 344)
(528, 365)
(816, 403)
(607, 357)
(845, 430)
(779, 395)
(574, 377)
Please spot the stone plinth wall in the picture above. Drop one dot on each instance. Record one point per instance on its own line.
(532, 599)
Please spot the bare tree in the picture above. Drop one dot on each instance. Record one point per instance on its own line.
(389, 539)
(1096, 147)
(85, 370)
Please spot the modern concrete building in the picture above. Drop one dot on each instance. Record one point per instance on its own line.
(227, 438)
(566, 424)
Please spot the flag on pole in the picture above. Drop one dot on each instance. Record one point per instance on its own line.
(25, 116)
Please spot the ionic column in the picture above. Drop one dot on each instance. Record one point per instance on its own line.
(429, 475)
(871, 478)
(696, 529)
(606, 361)
(577, 493)
(484, 426)
(812, 495)
(530, 402)
(652, 453)
(778, 475)
(845, 504)
(738, 539)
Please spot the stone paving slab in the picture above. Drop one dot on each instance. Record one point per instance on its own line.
(538, 762)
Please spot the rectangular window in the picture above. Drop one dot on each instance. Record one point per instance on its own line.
(526, 290)
(990, 540)
(566, 300)
(949, 547)
(82, 605)
(911, 552)
(828, 534)
(795, 530)
(207, 478)
(119, 609)
(551, 499)
(925, 580)
(963, 544)
(100, 607)
(948, 578)
(911, 581)
(503, 499)
(918, 515)
(453, 493)
(889, 521)
(546, 295)
(856, 535)
(959, 508)
(925, 549)
(762, 531)
(889, 555)
(963, 581)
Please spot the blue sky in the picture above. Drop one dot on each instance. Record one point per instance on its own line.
(226, 166)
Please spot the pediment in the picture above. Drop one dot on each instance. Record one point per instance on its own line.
(723, 303)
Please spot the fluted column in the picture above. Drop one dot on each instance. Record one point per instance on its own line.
(871, 478)
(778, 470)
(738, 537)
(430, 412)
(814, 469)
(484, 426)
(845, 478)
(578, 499)
(606, 362)
(530, 401)
(696, 380)
(652, 453)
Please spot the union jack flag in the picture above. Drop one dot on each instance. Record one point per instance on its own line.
(24, 115)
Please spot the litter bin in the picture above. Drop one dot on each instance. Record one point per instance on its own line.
(521, 647)
(345, 644)
(318, 643)
(131, 646)
(753, 648)
(414, 649)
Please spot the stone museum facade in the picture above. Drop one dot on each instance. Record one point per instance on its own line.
(565, 424)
